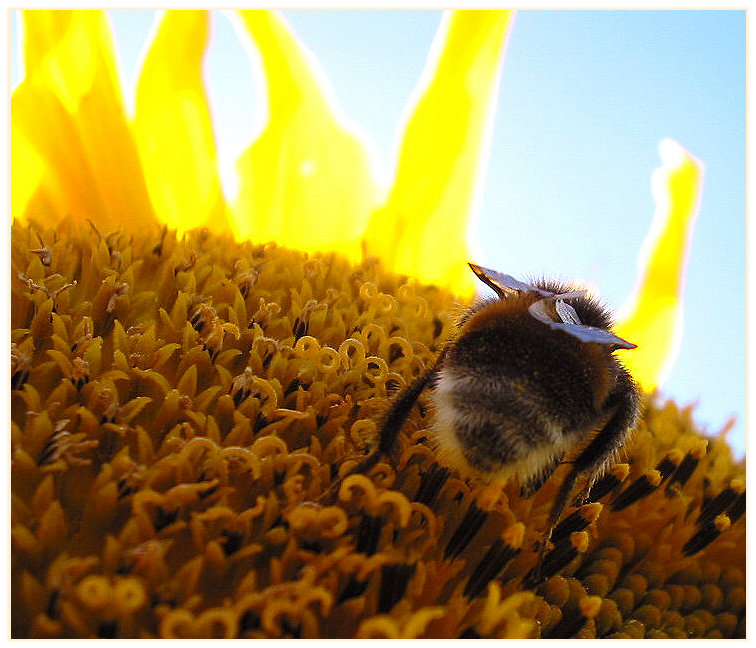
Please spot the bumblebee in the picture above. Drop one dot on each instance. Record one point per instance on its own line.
(529, 378)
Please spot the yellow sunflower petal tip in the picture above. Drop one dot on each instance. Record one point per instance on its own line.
(172, 125)
(308, 178)
(652, 317)
(423, 228)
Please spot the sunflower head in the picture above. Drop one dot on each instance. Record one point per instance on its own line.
(188, 405)
(181, 414)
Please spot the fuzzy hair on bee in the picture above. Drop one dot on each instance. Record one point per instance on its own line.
(529, 379)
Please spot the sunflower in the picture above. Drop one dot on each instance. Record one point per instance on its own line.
(192, 380)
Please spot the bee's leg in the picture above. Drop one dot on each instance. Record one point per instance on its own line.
(400, 411)
(392, 424)
(582, 495)
(624, 401)
(533, 485)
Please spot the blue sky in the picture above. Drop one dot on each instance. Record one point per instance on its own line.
(584, 100)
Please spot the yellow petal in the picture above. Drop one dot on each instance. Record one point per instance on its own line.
(652, 317)
(422, 229)
(172, 126)
(72, 151)
(27, 170)
(306, 181)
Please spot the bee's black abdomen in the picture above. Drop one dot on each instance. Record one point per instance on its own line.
(516, 391)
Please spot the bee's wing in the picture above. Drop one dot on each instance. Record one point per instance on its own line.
(503, 284)
(571, 324)
(594, 334)
(567, 313)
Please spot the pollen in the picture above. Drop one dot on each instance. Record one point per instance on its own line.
(185, 413)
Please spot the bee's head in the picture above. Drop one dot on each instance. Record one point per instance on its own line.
(559, 306)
